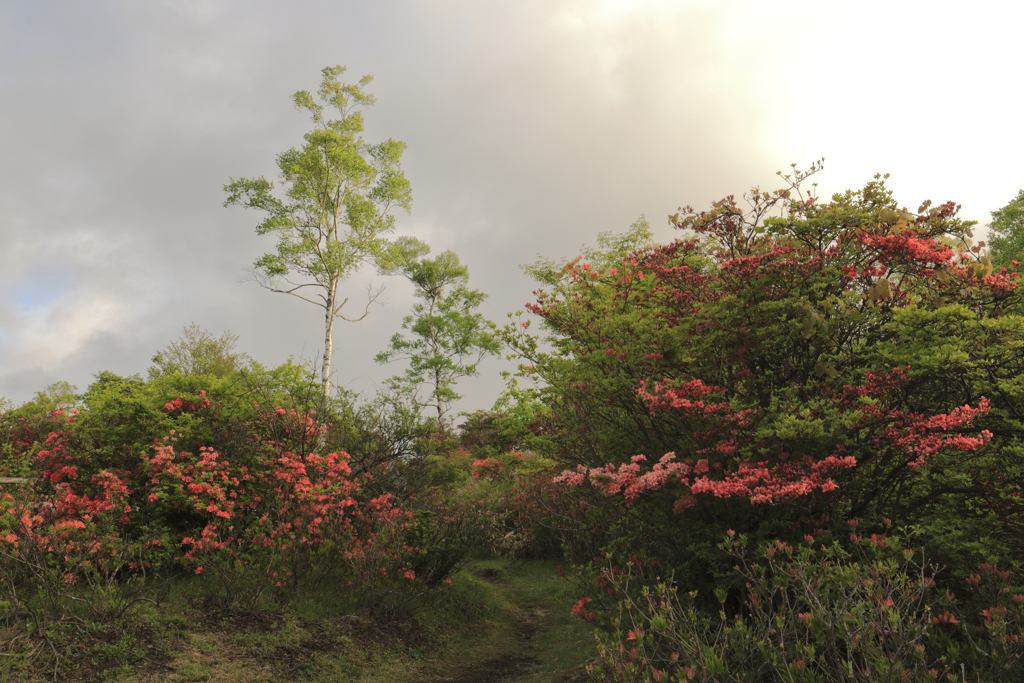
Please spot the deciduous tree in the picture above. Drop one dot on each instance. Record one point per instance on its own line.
(448, 337)
(336, 212)
(198, 352)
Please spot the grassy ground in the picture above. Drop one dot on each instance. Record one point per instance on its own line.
(525, 632)
(495, 623)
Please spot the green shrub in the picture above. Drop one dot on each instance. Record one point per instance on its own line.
(817, 613)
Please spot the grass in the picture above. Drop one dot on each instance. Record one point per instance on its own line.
(495, 620)
(520, 622)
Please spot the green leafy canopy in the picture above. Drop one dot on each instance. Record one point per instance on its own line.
(334, 213)
(448, 338)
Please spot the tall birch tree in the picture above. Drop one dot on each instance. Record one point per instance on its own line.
(334, 213)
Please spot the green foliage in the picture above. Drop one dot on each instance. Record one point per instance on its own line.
(1006, 233)
(448, 339)
(817, 613)
(335, 216)
(489, 434)
(117, 421)
(610, 250)
(61, 396)
(388, 440)
(123, 417)
(199, 353)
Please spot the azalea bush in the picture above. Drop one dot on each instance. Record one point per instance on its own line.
(22, 435)
(289, 508)
(781, 367)
(249, 528)
(816, 612)
(65, 554)
(71, 545)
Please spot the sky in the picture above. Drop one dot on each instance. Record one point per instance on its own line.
(531, 126)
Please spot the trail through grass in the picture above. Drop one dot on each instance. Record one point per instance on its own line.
(525, 634)
(497, 623)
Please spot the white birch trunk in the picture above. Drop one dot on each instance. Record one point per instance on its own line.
(325, 376)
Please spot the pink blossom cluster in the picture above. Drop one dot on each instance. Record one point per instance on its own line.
(713, 420)
(923, 436)
(759, 482)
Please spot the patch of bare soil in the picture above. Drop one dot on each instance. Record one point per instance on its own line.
(488, 574)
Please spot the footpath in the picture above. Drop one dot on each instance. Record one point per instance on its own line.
(527, 634)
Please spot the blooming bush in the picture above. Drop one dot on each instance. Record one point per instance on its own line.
(294, 523)
(64, 554)
(22, 436)
(779, 368)
(273, 523)
(855, 409)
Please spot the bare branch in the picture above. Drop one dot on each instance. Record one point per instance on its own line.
(298, 296)
(273, 284)
(372, 298)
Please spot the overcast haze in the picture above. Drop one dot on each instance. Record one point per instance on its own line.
(532, 125)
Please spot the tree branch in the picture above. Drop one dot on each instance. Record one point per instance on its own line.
(371, 299)
(270, 283)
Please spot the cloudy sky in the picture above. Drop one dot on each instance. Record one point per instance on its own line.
(532, 125)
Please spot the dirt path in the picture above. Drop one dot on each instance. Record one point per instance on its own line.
(527, 635)
(520, 658)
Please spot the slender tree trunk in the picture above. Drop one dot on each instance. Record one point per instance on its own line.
(325, 375)
(441, 407)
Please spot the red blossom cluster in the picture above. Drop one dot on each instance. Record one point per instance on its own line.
(486, 466)
(302, 501)
(180, 405)
(580, 609)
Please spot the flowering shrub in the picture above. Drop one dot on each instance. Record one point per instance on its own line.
(22, 436)
(852, 408)
(781, 367)
(62, 552)
(817, 613)
(275, 522)
(486, 467)
(294, 523)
